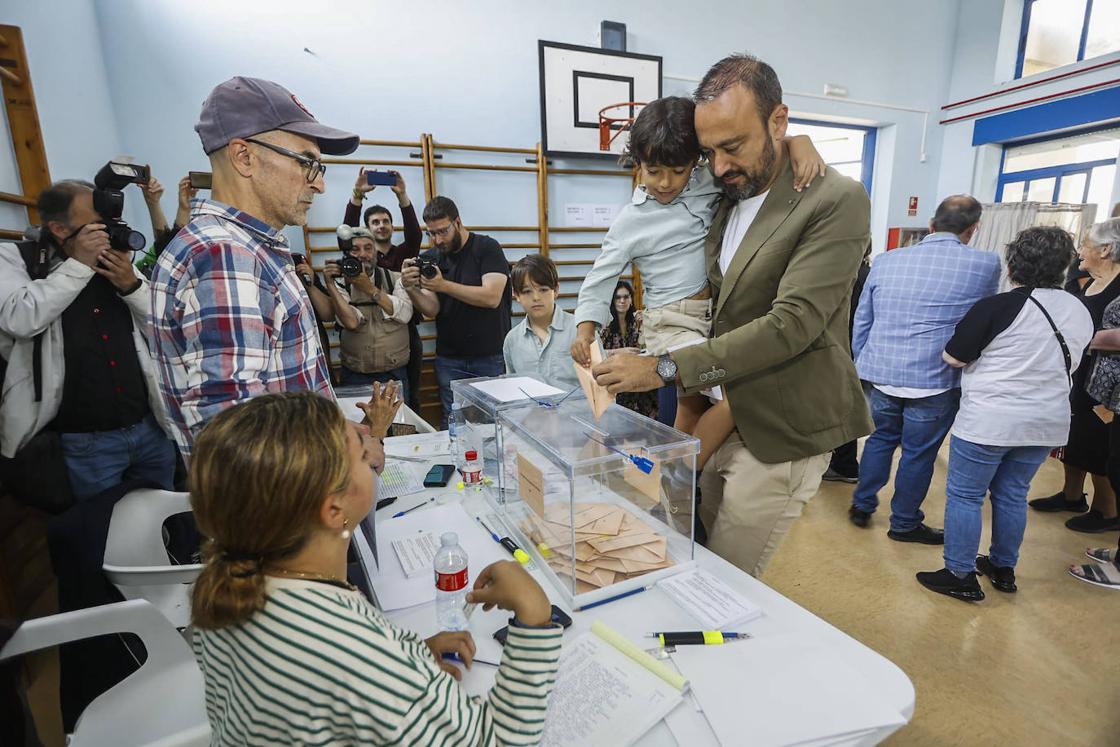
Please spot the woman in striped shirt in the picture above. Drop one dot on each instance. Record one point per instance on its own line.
(290, 652)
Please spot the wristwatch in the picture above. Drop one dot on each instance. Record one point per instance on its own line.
(667, 368)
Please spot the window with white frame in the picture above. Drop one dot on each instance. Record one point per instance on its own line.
(850, 149)
(1075, 169)
(1061, 32)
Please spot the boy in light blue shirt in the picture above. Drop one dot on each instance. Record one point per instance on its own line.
(662, 232)
(540, 344)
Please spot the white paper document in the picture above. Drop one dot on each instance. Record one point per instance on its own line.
(516, 388)
(714, 604)
(782, 690)
(603, 698)
(394, 589)
(416, 553)
(397, 479)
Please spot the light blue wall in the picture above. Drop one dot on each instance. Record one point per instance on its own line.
(467, 72)
(71, 91)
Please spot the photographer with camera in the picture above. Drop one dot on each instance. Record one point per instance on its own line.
(379, 221)
(372, 309)
(231, 318)
(73, 332)
(465, 286)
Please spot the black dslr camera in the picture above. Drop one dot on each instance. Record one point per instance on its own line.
(108, 201)
(428, 267)
(350, 267)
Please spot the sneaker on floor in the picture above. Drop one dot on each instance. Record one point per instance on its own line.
(1058, 502)
(858, 517)
(946, 582)
(921, 533)
(1093, 522)
(833, 476)
(1002, 577)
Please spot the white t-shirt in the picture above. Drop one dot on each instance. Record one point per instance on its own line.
(739, 219)
(1015, 390)
(908, 392)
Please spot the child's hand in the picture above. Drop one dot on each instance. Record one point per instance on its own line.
(806, 161)
(581, 351)
(581, 347)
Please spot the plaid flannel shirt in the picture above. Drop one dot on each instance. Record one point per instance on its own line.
(910, 306)
(230, 319)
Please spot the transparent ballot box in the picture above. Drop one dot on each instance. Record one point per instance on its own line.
(603, 506)
(480, 400)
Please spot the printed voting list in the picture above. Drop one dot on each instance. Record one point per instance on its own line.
(611, 543)
(608, 692)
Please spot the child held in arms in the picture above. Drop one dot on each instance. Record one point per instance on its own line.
(540, 343)
(662, 232)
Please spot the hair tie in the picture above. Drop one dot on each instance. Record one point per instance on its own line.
(233, 556)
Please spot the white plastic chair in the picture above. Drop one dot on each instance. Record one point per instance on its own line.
(136, 558)
(161, 703)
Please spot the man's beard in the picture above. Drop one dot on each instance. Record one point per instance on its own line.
(454, 245)
(753, 181)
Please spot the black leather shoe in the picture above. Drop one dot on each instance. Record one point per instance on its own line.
(945, 582)
(921, 533)
(1002, 578)
(859, 518)
(1058, 502)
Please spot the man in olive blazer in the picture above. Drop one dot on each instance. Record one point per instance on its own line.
(781, 264)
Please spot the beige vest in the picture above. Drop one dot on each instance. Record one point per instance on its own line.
(378, 344)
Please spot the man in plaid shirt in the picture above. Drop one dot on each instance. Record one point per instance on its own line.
(909, 308)
(230, 319)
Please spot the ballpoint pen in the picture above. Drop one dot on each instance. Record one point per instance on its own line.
(410, 510)
(456, 658)
(521, 556)
(697, 638)
(645, 464)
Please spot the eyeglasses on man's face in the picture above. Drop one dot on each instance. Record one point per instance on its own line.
(439, 233)
(313, 167)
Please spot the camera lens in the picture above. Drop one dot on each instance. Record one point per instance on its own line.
(123, 238)
(351, 267)
(428, 270)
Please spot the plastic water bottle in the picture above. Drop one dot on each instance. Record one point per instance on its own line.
(451, 583)
(472, 469)
(456, 424)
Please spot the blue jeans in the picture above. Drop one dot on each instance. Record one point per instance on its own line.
(99, 460)
(974, 469)
(346, 377)
(919, 426)
(450, 369)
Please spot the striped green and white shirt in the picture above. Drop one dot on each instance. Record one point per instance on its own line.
(320, 665)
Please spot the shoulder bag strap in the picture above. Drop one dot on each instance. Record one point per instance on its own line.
(1061, 340)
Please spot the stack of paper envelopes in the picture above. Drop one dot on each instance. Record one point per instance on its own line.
(611, 544)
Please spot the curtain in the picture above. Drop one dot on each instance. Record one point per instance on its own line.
(1002, 222)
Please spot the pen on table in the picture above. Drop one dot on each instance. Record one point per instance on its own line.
(608, 600)
(456, 658)
(697, 638)
(410, 510)
(521, 556)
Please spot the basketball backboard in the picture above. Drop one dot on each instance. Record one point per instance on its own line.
(577, 82)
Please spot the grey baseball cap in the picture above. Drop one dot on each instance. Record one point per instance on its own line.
(242, 106)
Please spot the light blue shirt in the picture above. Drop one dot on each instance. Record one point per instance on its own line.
(665, 243)
(910, 306)
(551, 360)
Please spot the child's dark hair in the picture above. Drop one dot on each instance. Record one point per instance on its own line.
(664, 134)
(534, 268)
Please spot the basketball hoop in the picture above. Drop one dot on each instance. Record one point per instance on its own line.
(617, 124)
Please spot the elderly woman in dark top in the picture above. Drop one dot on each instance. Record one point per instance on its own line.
(1103, 386)
(1088, 448)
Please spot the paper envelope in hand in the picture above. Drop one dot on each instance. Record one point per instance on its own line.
(597, 396)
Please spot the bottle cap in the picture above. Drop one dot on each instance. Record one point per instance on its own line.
(471, 455)
(449, 538)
